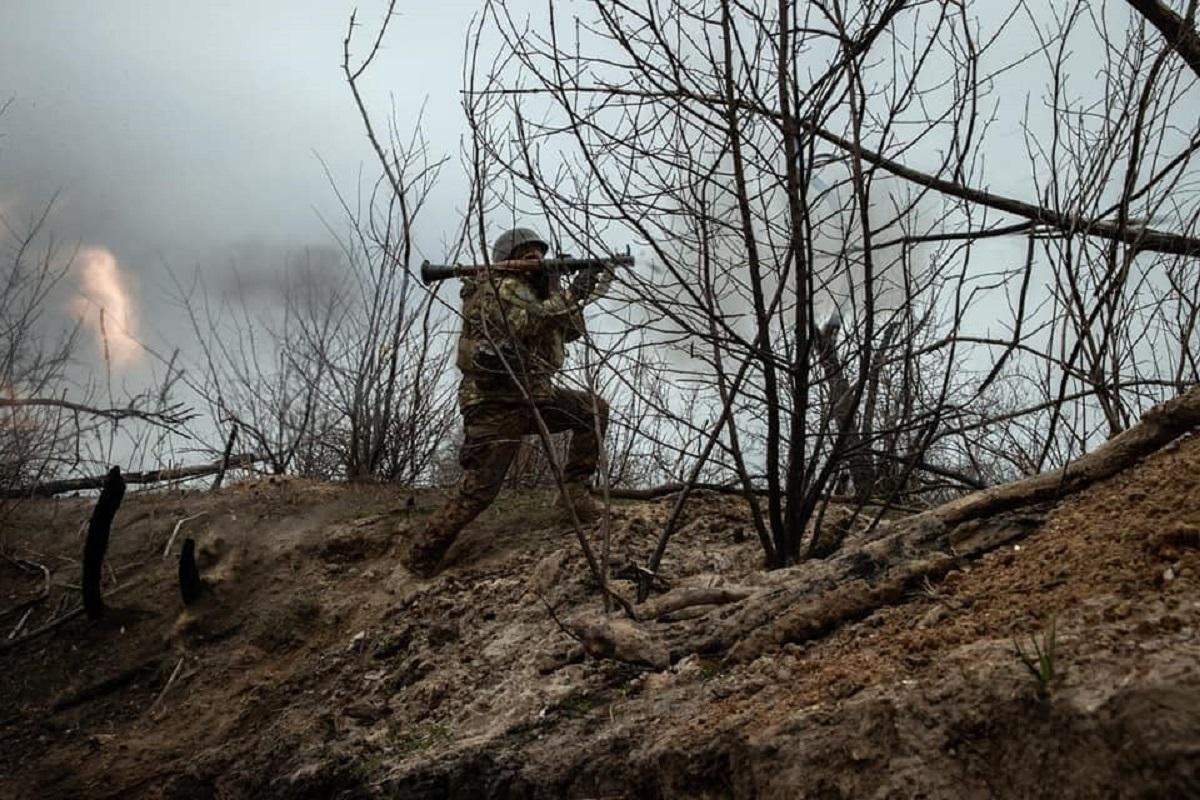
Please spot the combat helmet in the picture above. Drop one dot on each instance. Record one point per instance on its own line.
(510, 242)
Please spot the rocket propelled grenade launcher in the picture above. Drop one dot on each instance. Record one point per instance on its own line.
(440, 272)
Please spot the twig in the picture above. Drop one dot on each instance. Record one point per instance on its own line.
(174, 533)
(170, 680)
(169, 417)
(62, 620)
(74, 562)
(1178, 32)
(21, 624)
(29, 604)
(554, 616)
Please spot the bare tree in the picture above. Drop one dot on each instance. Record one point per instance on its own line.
(55, 420)
(760, 153)
(844, 302)
(387, 358)
(248, 376)
(337, 378)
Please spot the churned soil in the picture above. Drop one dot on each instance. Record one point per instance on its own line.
(313, 666)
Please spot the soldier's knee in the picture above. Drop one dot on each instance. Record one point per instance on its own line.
(478, 494)
(488, 493)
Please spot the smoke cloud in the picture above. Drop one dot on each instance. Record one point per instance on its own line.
(104, 306)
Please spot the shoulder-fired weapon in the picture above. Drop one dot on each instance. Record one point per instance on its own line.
(440, 272)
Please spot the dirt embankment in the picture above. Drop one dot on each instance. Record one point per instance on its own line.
(314, 667)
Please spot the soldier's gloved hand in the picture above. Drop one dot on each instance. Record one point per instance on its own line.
(591, 284)
(582, 285)
(604, 279)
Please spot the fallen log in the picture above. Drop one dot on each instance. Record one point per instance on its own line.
(1158, 427)
(51, 488)
(881, 567)
(668, 489)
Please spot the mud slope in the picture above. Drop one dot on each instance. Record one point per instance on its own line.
(313, 667)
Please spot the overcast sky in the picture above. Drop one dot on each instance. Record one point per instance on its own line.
(177, 130)
(187, 134)
(183, 135)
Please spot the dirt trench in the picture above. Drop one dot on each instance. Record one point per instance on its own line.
(315, 668)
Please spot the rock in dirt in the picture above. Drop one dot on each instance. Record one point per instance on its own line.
(548, 572)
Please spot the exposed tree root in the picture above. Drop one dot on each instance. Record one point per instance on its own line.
(613, 637)
(680, 599)
(107, 686)
(815, 617)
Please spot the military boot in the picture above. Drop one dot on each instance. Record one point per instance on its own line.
(425, 552)
(587, 509)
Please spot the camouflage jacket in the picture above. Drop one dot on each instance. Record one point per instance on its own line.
(507, 326)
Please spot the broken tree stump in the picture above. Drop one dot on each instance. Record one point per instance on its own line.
(225, 458)
(189, 572)
(96, 544)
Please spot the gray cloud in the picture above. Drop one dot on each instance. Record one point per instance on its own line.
(177, 131)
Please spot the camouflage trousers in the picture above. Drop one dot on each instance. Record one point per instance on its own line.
(492, 437)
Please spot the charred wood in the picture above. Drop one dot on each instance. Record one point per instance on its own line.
(51, 488)
(96, 543)
(189, 573)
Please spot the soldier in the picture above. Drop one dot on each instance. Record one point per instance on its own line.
(514, 327)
